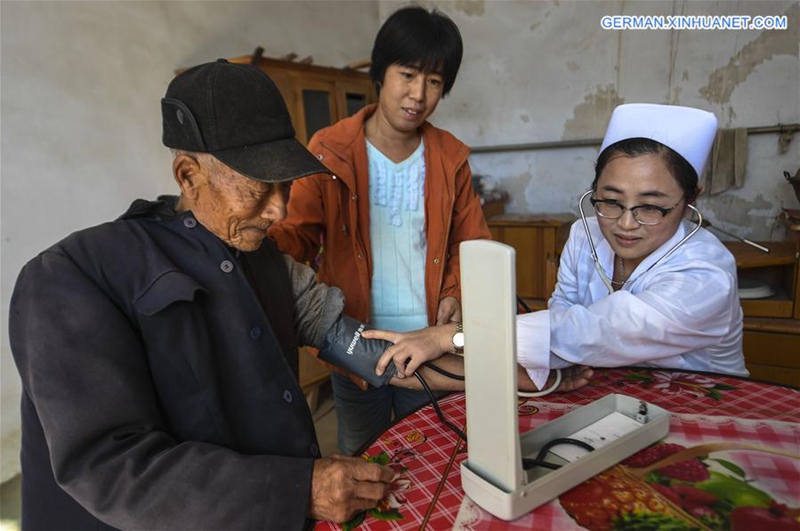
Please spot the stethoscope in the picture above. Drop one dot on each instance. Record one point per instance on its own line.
(597, 265)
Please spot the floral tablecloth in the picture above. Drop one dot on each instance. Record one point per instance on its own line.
(737, 443)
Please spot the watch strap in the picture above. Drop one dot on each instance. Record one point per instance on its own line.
(459, 349)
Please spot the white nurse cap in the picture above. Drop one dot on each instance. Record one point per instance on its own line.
(688, 131)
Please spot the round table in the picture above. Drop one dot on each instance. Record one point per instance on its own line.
(749, 427)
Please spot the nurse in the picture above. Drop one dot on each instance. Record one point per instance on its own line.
(639, 283)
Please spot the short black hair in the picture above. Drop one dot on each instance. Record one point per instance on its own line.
(413, 36)
(678, 167)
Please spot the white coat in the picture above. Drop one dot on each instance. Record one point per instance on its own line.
(684, 313)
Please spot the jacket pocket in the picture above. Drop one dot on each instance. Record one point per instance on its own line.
(171, 287)
(180, 352)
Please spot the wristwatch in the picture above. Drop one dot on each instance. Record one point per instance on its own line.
(458, 339)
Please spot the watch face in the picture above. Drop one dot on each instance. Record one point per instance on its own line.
(458, 340)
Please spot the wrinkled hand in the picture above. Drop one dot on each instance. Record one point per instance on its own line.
(412, 349)
(449, 311)
(343, 486)
(574, 377)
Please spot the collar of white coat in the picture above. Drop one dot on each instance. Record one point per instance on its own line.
(605, 254)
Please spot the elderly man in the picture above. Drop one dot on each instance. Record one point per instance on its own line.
(158, 352)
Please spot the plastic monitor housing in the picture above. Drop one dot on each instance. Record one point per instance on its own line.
(493, 475)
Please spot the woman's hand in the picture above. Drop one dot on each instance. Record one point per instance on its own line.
(412, 349)
(449, 311)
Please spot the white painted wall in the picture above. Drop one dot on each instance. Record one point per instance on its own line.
(80, 84)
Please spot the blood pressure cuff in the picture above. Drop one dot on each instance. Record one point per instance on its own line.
(345, 348)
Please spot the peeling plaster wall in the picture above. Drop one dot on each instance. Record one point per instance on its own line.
(546, 71)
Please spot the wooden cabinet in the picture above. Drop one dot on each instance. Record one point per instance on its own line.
(538, 240)
(772, 349)
(776, 271)
(317, 96)
(772, 323)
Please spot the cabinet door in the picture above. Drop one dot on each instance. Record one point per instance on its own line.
(352, 96)
(316, 109)
(772, 356)
(537, 239)
(533, 245)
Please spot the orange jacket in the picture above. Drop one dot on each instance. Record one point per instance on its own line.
(333, 211)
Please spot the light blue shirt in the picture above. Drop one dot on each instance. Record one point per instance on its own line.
(399, 244)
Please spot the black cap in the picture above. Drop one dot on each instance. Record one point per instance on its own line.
(235, 113)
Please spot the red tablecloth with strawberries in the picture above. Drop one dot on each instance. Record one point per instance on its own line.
(730, 461)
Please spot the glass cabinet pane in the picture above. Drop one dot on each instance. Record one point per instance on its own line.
(354, 102)
(317, 107)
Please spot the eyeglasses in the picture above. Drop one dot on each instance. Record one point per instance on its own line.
(643, 214)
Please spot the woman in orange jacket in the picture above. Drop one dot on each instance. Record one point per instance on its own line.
(392, 215)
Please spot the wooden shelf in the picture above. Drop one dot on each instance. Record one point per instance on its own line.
(776, 269)
(747, 256)
(777, 326)
(771, 340)
(532, 220)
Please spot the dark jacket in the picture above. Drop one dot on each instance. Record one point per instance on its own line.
(159, 379)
